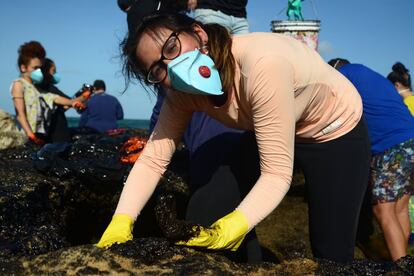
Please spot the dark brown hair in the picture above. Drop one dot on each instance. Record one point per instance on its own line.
(400, 74)
(338, 62)
(28, 51)
(219, 45)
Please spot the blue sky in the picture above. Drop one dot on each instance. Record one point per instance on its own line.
(82, 37)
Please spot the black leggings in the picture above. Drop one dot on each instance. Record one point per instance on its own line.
(336, 175)
(223, 170)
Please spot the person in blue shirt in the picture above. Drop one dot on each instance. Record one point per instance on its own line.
(391, 132)
(102, 110)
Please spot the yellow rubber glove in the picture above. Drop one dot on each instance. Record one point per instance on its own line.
(118, 231)
(226, 233)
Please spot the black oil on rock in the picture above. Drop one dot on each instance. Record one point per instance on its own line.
(56, 201)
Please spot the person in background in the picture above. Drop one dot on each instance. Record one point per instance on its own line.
(228, 13)
(400, 77)
(137, 9)
(58, 129)
(268, 83)
(223, 161)
(102, 110)
(32, 108)
(391, 130)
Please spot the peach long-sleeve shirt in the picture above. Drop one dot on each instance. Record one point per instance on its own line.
(283, 91)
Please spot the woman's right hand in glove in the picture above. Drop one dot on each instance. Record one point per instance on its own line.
(118, 231)
(38, 141)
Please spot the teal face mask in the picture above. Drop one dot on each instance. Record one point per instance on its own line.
(55, 78)
(36, 76)
(194, 73)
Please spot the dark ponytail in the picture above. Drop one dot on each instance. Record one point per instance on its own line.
(219, 45)
(400, 74)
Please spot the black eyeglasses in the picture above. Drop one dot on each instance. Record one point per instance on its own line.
(170, 50)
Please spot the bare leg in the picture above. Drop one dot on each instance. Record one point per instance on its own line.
(401, 210)
(393, 232)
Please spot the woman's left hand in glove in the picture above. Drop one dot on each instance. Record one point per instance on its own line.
(226, 233)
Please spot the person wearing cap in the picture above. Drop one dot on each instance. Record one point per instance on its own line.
(138, 9)
(102, 110)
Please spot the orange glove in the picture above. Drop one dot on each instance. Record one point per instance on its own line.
(87, 94)
(132, 149)
(32, 137)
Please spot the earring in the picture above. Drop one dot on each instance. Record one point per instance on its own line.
(204, 49)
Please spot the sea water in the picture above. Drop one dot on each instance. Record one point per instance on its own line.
(126, 123)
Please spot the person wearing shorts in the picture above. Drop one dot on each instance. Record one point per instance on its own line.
(391, 131)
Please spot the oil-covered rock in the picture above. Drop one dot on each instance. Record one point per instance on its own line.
(56, 201)
(173, 228)
(64, 194)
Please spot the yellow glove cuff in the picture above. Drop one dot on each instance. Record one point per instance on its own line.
(122, 218)
(233, 227)
(236, 217)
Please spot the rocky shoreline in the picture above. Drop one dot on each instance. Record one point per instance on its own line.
(55, 204)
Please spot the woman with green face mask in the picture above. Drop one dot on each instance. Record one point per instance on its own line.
(32, 108)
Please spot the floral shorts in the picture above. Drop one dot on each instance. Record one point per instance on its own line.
(392, 173)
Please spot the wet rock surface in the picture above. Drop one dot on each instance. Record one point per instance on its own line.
(67, 195)
(173, 228)
(53, 210)
(366, 267)
(145, 256)
(157, 256)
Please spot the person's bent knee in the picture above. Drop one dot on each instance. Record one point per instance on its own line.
(383, 211)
